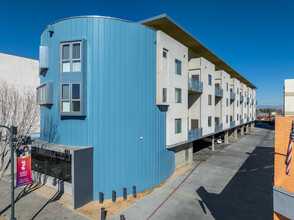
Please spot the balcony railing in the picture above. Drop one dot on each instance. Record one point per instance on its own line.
(247, 119)
(247, 99)
(232, 124)
(219, 92)
(241, 121)
(195, 134)
(241, 98)
(218, 128)
(195, 85)
(232, 95)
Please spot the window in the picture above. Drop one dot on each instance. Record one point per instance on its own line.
(237, 117)
(209, 79)
(227, 119)
(227, 102)
(178, 95)
(71, 57)
(164, 54)
(237, 103)
(227, 86)
(209, 99)
(45, 94)
(41, 94)
(178, 67)
(237, 90)
(209, 121)
(164, 95)
(178, 125)
(70, 97)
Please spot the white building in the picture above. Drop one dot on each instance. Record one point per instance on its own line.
(205, 96)
(289, 97)
(19, 71)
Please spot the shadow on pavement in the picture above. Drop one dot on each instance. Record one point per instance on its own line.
(249, 193)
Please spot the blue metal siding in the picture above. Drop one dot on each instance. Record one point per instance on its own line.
(121, 104)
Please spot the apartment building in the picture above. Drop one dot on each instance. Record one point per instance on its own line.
(130, 99)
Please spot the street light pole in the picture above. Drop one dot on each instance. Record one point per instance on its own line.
(13, 131)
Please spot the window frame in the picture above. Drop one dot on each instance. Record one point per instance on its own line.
(209, 99)
(179, 100)
(209, 79)
(70, 99)
(178, 63)
(176, 125)
(164, 95)
(70, 59)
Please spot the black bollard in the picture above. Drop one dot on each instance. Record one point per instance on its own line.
(103, 214)
(122, 217)
(101, 199)
(125, 193)
(134, 192)
(113, 196)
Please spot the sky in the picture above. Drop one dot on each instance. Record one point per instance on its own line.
(254, 37)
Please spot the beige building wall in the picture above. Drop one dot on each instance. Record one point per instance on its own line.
(289, 97)
(19, 71)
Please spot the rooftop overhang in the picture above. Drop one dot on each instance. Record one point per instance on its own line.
(170, 27)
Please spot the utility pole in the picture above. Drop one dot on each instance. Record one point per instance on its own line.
(13, 131)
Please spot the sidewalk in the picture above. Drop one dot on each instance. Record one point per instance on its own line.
(235, 183)
(34, 206)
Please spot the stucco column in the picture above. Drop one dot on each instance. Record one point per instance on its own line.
(212, 143)
(242, 130)
(247, 129)
(226, 138)
(235, 134)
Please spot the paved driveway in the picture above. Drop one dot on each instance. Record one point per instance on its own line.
(235, 183)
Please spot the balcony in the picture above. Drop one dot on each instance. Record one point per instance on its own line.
(195, 85)
(241, 98)
(247, 119)
(232, 95)
(232, 124)
(218, 128)
(241, 121)
(194, 134)
(219, 92)
(247, 99)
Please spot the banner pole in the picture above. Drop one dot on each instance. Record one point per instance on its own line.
(12, 171)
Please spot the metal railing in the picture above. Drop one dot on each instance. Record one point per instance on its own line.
(195, 134)
(247, 119)
(232, 124)
(218, 128)
(195, 85)
(241, 98)
(219, 92)
(241, 121)
(232, 95)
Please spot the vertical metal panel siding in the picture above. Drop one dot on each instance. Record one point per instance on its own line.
(121, 104)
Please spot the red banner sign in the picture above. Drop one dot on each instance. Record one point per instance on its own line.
(23, 154)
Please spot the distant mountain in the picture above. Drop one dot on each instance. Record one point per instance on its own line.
(278, 107)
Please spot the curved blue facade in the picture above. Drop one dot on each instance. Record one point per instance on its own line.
(120, 87)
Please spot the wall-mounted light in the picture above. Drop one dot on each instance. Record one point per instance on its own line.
(141, 138)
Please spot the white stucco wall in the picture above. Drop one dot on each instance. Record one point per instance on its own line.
(289, 97)
(171, 80)
(19, 71)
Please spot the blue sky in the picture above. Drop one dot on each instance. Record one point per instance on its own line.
(253, 37)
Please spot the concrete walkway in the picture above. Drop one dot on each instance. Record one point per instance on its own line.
(235, 183)
(31, 205)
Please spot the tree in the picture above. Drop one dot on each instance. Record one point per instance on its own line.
(17, 108)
